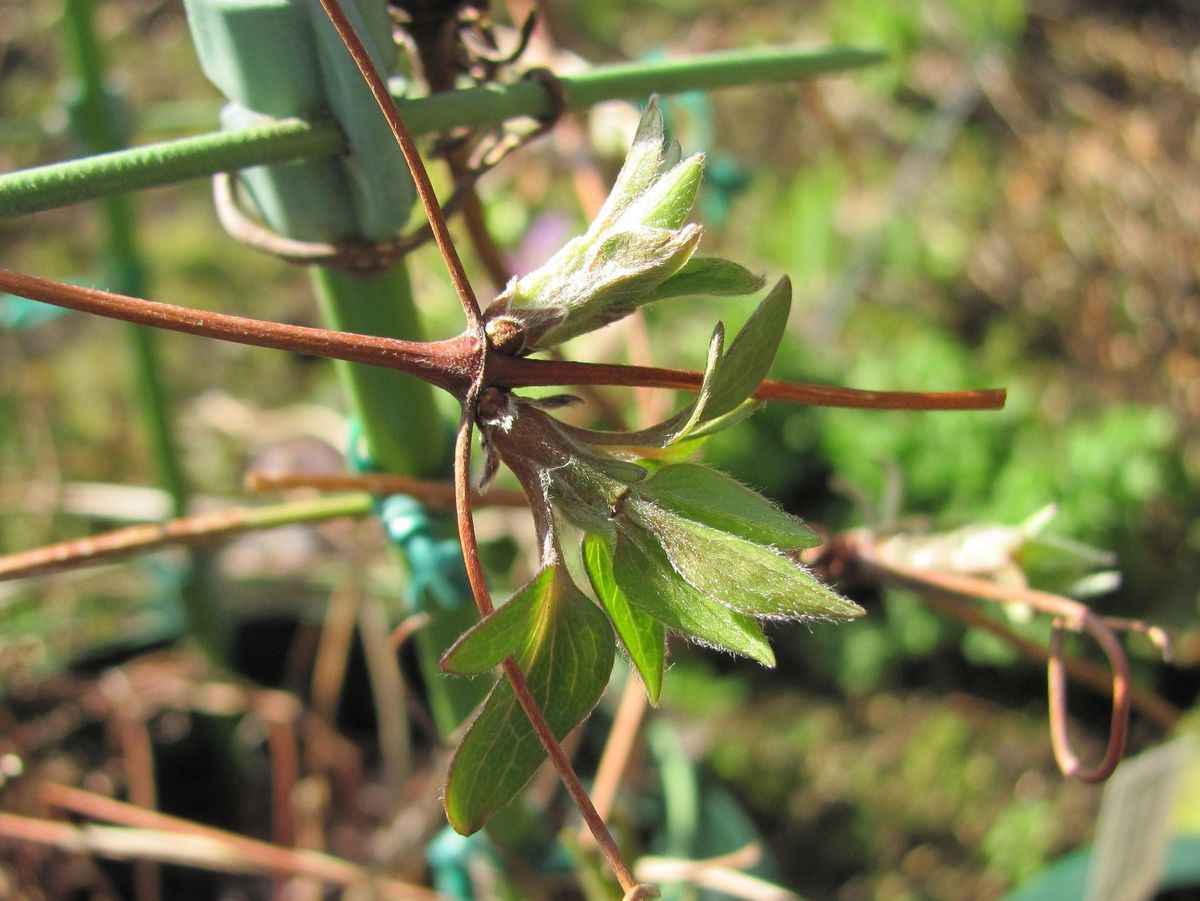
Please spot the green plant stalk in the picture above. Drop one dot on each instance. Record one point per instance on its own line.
(96, 119)
(404, 434)
(396, 411)
(62, 184)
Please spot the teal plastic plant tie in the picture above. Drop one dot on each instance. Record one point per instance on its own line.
(276, 59)
(358, 453)
(435, 567)
(449, 855)
(21, 314)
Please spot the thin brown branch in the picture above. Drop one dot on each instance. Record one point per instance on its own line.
(449, 364)
(486, 249)
(519, 372)
(138, 539)
(127, 721)
(433, 493)
(120, 543)
(441, 234)
(453, 364)
(537, 719)
(279, 712)
(1082, 671)
(462, 509)
(1056, 675)
(1068, 615)
(570, 779)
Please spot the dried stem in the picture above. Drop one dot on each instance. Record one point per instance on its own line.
(158, 836)
(387, 105)
(1069, 615)
(207, 527)
(433, 493)
(1083, 671)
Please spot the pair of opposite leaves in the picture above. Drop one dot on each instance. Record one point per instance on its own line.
(681, 548)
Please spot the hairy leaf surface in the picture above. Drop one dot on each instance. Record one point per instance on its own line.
(566, 663)
(642, 635)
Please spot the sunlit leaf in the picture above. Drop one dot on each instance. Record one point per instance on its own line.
(711, 497)
(643, 636)
(645, 575)
(641, 167)
(707, 276)
(669, 201)
(752, 352)
(748, 577)
(504, 633)
(566, 663)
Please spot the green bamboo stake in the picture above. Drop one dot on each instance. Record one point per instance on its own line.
(397, 413)
(283, 140)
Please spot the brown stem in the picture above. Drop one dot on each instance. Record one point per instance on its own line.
(278, 711)
(1069, 615)
(130, 540)
(1083, 671)
(441, 234)
(537, 719)
(1056, 675)
(449, 364)
(127, 719)
(462, 509)
(434, 493)
(453, 364)
(570, 779)
(519, 372)
(481, 239)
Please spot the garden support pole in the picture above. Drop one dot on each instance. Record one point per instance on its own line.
(276, 59)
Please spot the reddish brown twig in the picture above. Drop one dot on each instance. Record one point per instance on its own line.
(441, 234)
(123, 542)
(483, 600)
(449, 364)
(519, 372)
(1083, 671)
(127, 722)
(453, 364)
(1069, 615)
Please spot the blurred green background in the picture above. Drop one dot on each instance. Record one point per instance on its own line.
(1011, 200)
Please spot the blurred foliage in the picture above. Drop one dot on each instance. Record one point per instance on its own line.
(1011, 200)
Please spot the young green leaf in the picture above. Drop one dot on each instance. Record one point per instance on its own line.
(502, 634)
(645, 575)
(752, 352)
(637, 242)
(566, 662)
(707, 276)
(748, 577)
(713, 498)
(643, 637)
(642, 166)
(724, 397)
